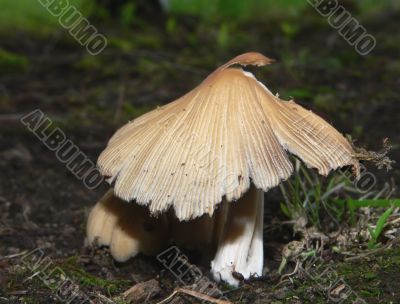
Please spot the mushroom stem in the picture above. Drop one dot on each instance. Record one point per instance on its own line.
(240, 248)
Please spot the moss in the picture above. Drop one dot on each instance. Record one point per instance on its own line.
(12, 62)
(75, 271)
(124, 45)
(60, 271)
(89, 63)
(375, 278)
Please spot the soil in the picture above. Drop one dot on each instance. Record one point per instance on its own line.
(43, 205)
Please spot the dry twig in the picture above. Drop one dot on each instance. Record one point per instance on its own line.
(195, 294)
(380, 158)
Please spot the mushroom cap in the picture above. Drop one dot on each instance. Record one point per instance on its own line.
(214, 141)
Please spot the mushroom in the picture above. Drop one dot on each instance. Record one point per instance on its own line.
(224, 141)
(126, 228)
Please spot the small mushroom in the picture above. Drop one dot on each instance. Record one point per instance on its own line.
(224, 141)
(126, 228)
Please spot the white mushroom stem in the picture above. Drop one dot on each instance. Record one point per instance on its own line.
(240, 248)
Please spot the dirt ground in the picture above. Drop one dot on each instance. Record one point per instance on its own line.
(43, 205)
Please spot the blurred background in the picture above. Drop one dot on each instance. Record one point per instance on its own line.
(158, 50)
(155, 51)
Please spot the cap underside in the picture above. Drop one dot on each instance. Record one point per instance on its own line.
(213, 142)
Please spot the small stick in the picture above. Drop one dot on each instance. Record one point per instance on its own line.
(11, 256)
(368, 253)
(11, 117)
(194, 294)
(296, 269)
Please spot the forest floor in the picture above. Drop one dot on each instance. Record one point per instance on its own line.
(44, 207)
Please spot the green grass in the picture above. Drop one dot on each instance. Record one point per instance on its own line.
(310, 200)
(261, 9)
(370, 6)
(375, 233)
(353, 204)
(238, 9)
(30, 15)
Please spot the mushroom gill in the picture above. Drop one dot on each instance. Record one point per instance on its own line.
(214, 141)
